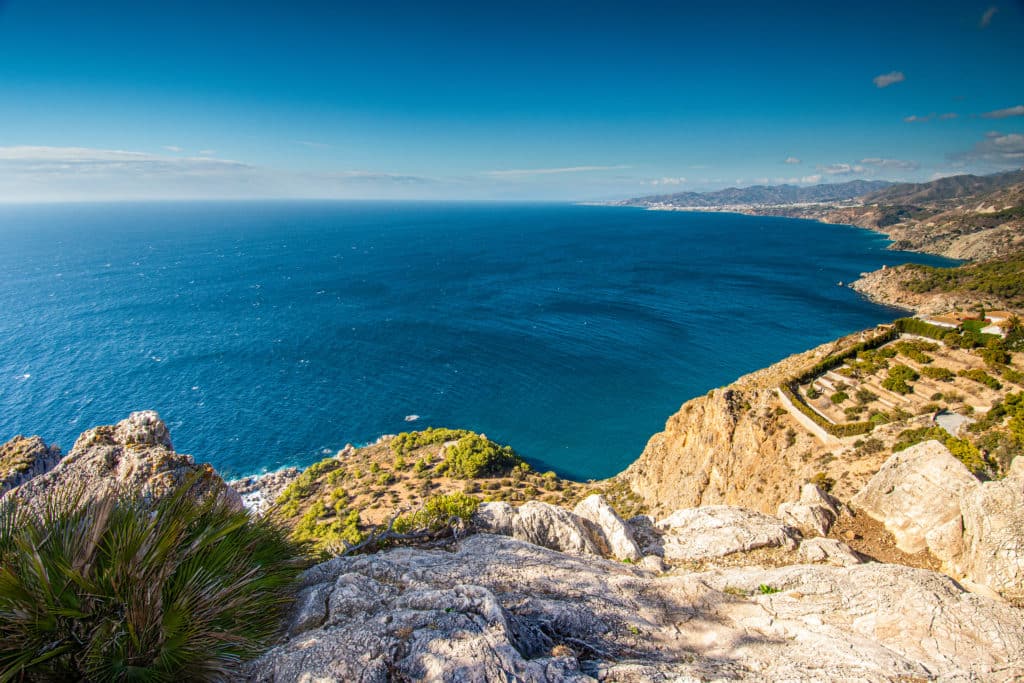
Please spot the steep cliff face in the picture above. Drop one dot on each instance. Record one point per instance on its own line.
(738, 445)
(729, 447)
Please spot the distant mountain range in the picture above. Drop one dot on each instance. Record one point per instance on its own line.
(953, 187)
(771, 195)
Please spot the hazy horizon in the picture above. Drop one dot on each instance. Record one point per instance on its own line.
(573, 102)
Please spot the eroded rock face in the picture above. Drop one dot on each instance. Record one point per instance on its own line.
(917, 490)
(928, 499)
(22, 459)
(717, 530)
(815, 512)
(501, 609)
(992, 547)
(617, 534)
(548, 526)
(135, 455)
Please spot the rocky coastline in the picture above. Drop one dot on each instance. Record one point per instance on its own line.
(761, 548)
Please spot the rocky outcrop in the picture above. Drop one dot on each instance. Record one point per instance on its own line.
(23, 458)
(828, 551)
(497, 608)
(259, 492)
(815, 512)
(889, 286)
(917, 491)
(548, 526)
(992, 545)
(618, 536)
(726, 448)
(135, 456)
(928, 499)
(713, 531)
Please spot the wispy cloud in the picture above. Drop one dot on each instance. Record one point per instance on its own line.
(885, 80)
(313, 144)
(173, 148)
(995, 149)
(930, 117)
(523, 172)
(39, 173)
(679, 180)
(891, 164)
(841, 169)
(792, 160)
(1004, 113)
(207, 152)
(986, 17)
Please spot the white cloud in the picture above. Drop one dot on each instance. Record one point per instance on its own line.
(885, 80)
(515, 173)
(207, 152)
(173, 148)
(811, 179)
(929, 117)
(986, 18)
(668, 181)
(792, 160)
(313, 144)
(896, 164)
(841, 169)
(38, 173)
(1004, 113)
(996, 149)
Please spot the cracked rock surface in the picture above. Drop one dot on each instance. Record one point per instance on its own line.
(496, 608)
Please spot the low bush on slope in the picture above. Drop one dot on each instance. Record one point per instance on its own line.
(114, 590)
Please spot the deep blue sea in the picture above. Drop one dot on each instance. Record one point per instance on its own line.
(268, 334)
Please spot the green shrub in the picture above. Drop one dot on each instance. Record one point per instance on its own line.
(113, 589)
(409, 441)
(475, 456)
(899, 379)
(865, 396)
(982, 377)
(994, 353)
(812, 392)
(938, 373)
(438, 512)
(325, 532)
(914, 350)
(823, 481)
(839, 397)
(962, 449)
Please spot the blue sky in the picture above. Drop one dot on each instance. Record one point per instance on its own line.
(553, 100)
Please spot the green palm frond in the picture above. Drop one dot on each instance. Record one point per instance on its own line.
(116, 589)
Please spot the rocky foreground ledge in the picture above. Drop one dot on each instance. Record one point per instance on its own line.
(539, 592)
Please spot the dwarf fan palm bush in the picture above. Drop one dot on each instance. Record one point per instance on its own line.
(113, 589)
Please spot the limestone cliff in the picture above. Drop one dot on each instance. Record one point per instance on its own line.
(738, 445)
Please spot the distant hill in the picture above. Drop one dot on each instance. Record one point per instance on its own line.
(765, 195)
(953, 187)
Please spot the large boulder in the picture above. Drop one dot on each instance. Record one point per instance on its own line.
(705, 533)
(916, 491)
(134, 456)
(22, 459)
(500, 609)
(548, 526)
(617, 534)
(993, 535)
(815, 512)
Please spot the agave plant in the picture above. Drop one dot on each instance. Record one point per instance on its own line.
(114, 589)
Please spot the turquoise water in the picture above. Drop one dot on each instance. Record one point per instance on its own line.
(269, 333)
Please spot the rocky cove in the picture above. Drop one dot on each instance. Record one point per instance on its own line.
(738, 546)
